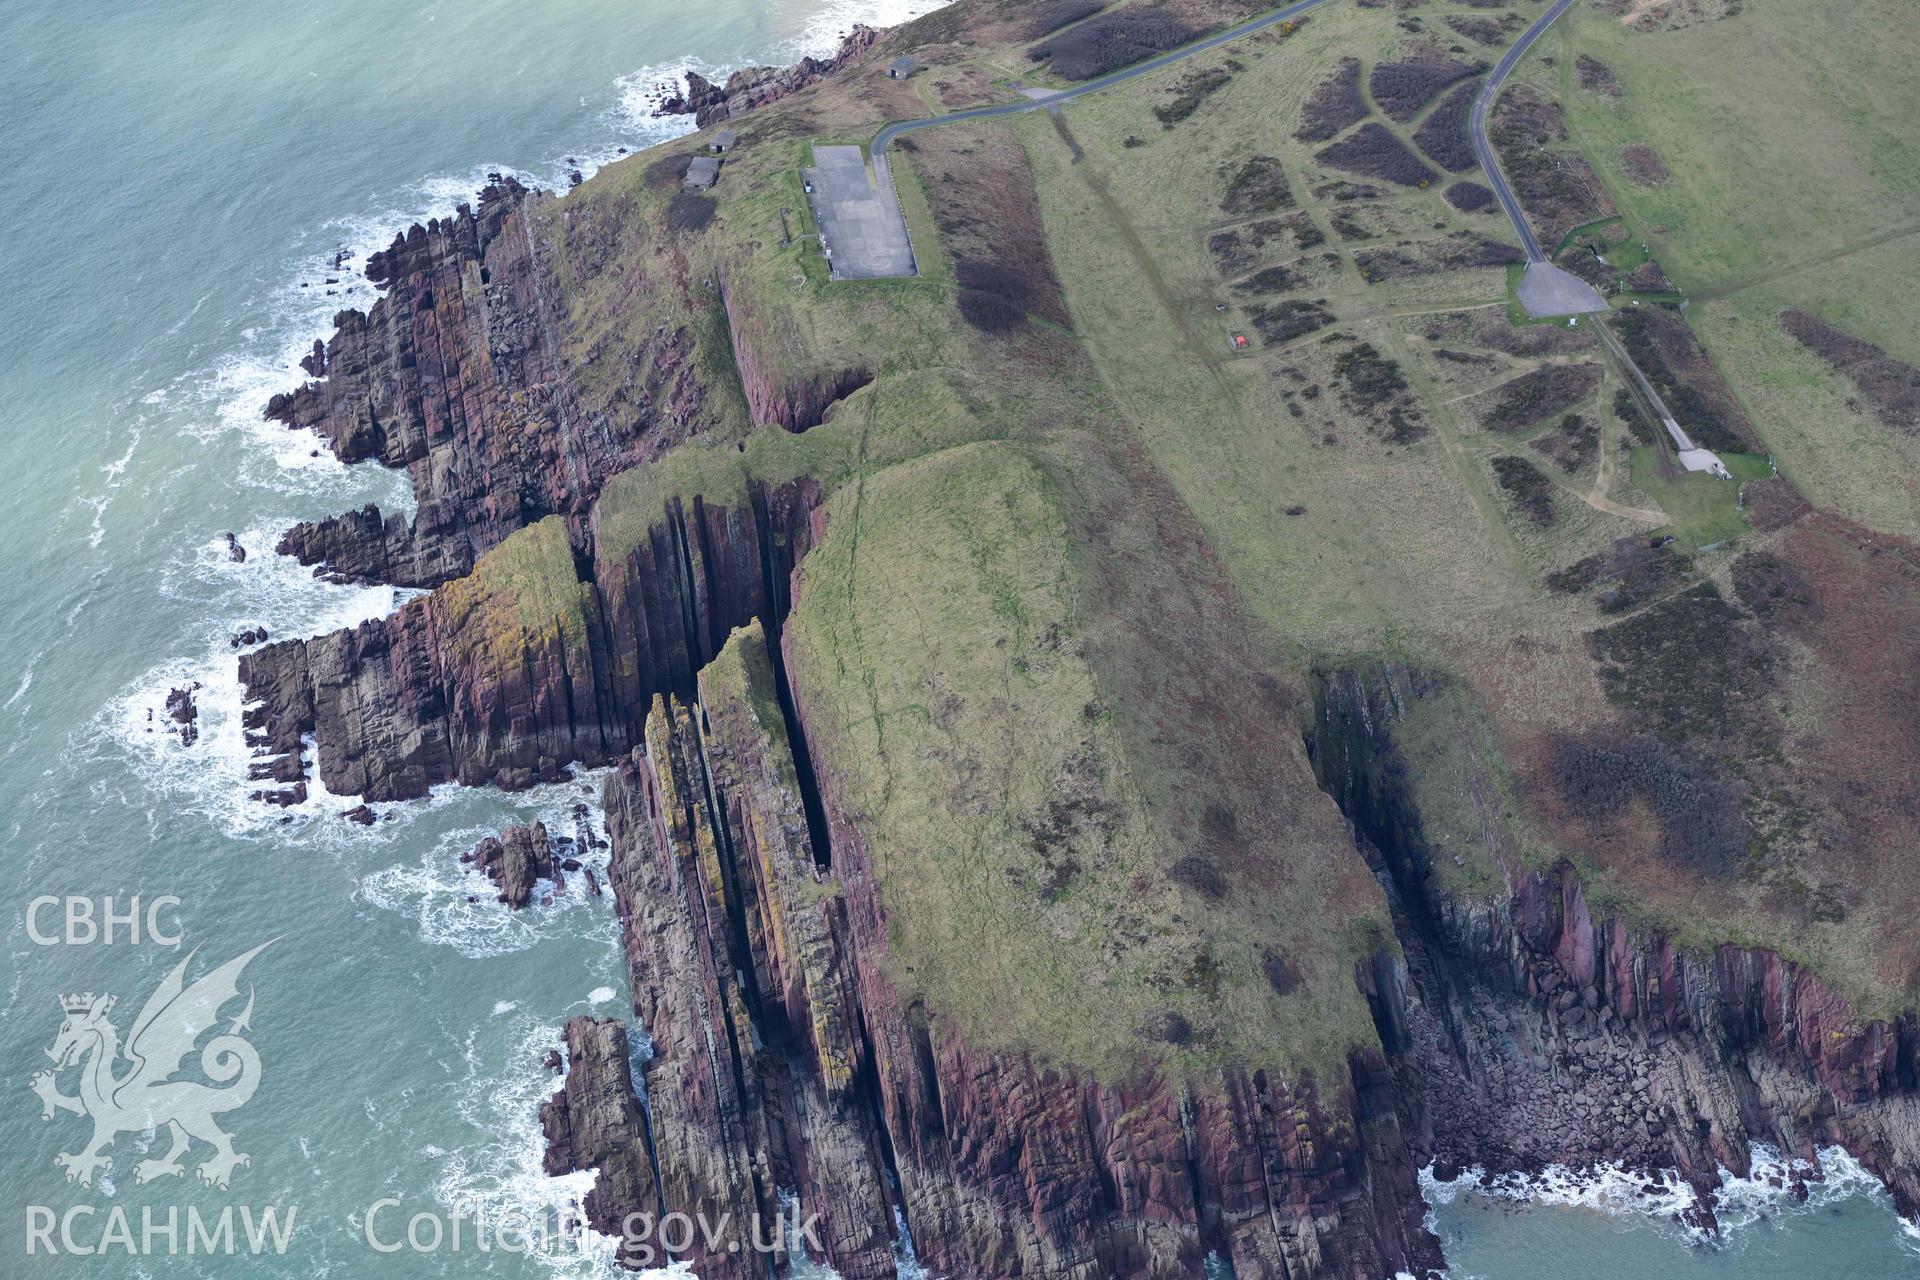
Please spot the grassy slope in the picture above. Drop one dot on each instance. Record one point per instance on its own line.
(522, 594)
(1061, 609)
(976, 698)
(1788, 134)
(1404, 551)
(1405, 547)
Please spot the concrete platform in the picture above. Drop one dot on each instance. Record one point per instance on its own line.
(1545, 290)
(857, 214)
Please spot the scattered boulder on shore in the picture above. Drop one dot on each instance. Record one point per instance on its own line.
(284, 797)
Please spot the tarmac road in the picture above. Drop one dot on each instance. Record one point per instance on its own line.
(1482, 103)
(1477, 123)
(884, 139)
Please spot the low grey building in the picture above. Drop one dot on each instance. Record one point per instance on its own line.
(702, 173)
(723, 140)
(902, 67)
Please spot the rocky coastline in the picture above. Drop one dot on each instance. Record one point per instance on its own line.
(459, 375)
(1517, 1032)
(1516, 1029)
(782, 1059)
(751, 87)
(1537, 1031)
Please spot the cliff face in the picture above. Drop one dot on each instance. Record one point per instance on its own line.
(783, 1059)
(596, 1121)
(1540, 1032)
(752, 87)
(459, 375)
(1632, 1051)
(472, 683)
(795, 403)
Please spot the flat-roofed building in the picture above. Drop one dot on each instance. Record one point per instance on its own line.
(702, 173)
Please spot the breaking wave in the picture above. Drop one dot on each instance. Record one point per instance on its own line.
(1779, 1186)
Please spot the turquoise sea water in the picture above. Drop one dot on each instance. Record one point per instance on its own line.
(178, 169)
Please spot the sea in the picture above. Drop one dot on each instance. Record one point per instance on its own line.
(195, 187)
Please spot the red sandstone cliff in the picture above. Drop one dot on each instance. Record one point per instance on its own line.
(458, 374)
(783, 1059)
(1541, 1033)
(463, 685)
(750, 87)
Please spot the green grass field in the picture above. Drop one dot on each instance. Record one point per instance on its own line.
(1705, 509)
(1795, 182)
(1055, 641)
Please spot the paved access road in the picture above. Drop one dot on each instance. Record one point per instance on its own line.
(884, 139)
(1483, 150)
(1483, 104)
(883, 175)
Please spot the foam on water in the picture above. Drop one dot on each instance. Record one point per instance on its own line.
(1664, 1199)
(457, 906)
(503, 1177)
(638, 92)
(20, 691)
(221, 405)
(821, 38)
(210, 776)
(289, 475)
(113, 472)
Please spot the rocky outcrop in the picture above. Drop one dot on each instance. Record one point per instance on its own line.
(753, 87)
(459, 375)
(429, 695)
(184, 712)
(539, 659)
(596, 1121)
(1539, 1031)
(783, 1058)
(515, 860)
(1634, 1051)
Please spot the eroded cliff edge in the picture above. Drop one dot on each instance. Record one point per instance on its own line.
(543, 657)
(1542, 1030)
(783, 1059)
(1107, 779)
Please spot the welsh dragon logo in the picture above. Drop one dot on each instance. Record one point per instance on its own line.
(143, 1097)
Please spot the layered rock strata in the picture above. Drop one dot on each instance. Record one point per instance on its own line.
(752, 87)
(783, 1060)
(792, 402)
(596, 1121)
(540, 659)
(1541, 1032)
(459, 374)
